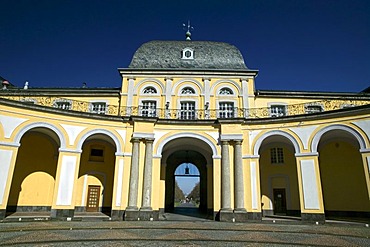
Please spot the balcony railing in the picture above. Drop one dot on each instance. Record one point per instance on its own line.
(180, 114)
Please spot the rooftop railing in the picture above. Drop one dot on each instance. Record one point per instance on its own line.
(188, 114)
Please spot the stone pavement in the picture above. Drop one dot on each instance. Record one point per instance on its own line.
(181, 233)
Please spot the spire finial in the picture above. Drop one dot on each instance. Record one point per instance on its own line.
(188, 28)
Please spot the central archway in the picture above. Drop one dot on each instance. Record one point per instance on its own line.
(194, 151)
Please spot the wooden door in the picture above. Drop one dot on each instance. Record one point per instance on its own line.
(279, 201)
(93, 196)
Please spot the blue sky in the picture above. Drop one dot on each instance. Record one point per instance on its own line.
(316, 45)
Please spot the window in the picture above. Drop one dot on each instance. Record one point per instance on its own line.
(65, 105)
(277, 110)
(149, 90)
(277, 155)
(187, 110)
(187, 90)
(226, 110)
(96, 153)
(313, 108)
(98, 107)
(225, 91)
(187, 53)
(149, 109)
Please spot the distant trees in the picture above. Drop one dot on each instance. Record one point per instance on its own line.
(195, 193)
(179, 194)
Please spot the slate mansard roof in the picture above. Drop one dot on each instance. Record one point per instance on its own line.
(207, 55)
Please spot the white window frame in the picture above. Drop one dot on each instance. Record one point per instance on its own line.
(184, 51)
(61, 102)
(226, 113)
(92, 103)
(308, 111)
(187, 111)
(279, 157)
(282, 105)
(151, 112)
(149, 94)
(229, 88)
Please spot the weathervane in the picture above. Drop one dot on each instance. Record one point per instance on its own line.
(188, 28)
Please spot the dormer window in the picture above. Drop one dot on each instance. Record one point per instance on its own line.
(187, 53)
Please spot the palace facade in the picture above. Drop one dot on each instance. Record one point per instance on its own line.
(115, 150)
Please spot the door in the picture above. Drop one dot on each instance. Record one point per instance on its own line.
(93, 196)
(279, 201)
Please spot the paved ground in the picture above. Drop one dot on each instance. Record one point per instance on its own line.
(181, 233)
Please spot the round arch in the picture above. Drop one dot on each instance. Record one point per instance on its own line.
(100, 131)
(154, 83)
(291, 138)
(51, 127)
(212, 89)
(186, 134)
(316, 139)
(190, 81)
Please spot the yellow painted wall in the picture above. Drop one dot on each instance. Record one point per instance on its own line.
(34, 174)
(342, 177)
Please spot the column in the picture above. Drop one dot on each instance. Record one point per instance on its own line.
(66, 178)
(311, 199)
(134, 175)
(8, 154)
(146, 212)
(225, 176)
(238, 177)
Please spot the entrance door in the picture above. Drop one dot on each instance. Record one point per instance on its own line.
(279, 201)
(93, 196)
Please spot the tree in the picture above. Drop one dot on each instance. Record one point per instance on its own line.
(195, 193)
(179, 194)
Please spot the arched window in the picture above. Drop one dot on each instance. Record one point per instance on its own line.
(187, 90)
(225, 91)
(149, 90)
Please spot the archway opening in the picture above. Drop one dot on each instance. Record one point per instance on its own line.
(342, 173)
(195, 155)
(187, 186)
(279, 180)
(33, 181)
(96, 174)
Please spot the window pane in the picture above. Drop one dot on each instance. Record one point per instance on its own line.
(187, 110)
(226, 110)
(149, 109)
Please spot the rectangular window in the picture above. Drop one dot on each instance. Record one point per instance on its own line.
(313, 108)
(226, 110)
(277, 110)
(277, 155)
(63, 105)
(96, 154)
(98, 107)
(148, 108)
(187, 110)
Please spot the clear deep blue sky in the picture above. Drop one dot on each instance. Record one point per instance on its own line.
(315, 45)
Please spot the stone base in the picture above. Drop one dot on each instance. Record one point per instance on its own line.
(131, 215)
(146, 215)
(62, 214)
(255, 216)
(117, 215)
(2, 214)
(313, 217)
(226, 216)
(240, 215)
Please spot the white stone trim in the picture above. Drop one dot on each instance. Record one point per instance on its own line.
(119, 182)
(188, 83)
(143, 135)
(72, 132)
(100, 131)
(254, 187)
(67, 150)
(152, 83)
(258, 143)
(245, 96)
(321, 132)
(10, 124)
(231, 137)
(226, 81)
(186, 134)
(67, 177)
(304, 133)
(130, 92)
(368, 164)
(251, 156)
(10, 144)
(309, 185)
(306, 154)
(366, 150)
(6, 159)
(28, 127)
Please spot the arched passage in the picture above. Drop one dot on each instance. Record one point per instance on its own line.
(342, 174)
(194, 151)
(96, 174)
(278, 176)
(33, 182)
